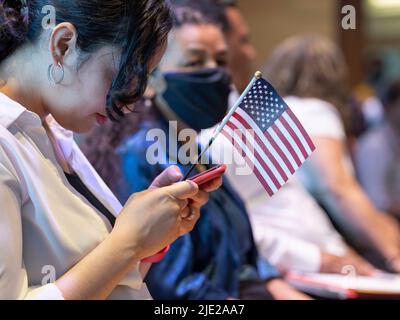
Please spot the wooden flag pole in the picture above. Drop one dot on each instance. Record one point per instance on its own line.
(257, 76)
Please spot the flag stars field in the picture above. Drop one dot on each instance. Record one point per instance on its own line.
(279, 144)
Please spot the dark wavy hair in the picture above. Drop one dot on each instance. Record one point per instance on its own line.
(137, 27)
(101, 143)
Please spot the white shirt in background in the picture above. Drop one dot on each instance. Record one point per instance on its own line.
(45, 224)
(320, 119)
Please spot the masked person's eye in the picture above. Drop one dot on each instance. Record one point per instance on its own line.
(192, 64)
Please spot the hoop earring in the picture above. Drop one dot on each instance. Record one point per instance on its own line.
(50, 73)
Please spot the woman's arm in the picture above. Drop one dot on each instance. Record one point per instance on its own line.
(134, 237)
(97, 274)
(354, 209)
(94, 277)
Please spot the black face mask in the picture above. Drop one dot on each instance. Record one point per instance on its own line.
(200, 99)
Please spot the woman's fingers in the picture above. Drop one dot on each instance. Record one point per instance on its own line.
(187, 195)
(186, 212)
(188, 224)
(200, 199)
(212, 185)
(182, 190)
(168, 177)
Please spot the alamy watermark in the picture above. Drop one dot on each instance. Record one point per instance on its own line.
(50, 275)
(349, 19)
(49, 19)
(184, 147)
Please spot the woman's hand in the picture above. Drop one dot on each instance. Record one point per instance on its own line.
(387, 227)
(155, 218)
(173, 174)
(149, 222)
(331, 263)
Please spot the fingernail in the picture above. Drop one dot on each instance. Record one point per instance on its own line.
(193, 183)
(176, 172)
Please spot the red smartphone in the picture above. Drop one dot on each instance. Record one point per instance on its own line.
(209, 175)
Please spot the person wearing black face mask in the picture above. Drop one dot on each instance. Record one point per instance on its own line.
(218, 259)
(200, 99)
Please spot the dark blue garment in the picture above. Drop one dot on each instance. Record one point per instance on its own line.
(217, 256)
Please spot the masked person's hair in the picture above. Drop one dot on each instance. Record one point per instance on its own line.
(138, 28)
(101, 144)
(199, 12)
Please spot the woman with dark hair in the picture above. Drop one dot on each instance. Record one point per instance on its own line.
(218, 259)
(311, 72)
(59, 222)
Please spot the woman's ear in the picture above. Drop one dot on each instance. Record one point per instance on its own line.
(63, 42)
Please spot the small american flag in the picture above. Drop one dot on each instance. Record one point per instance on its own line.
(279, 143)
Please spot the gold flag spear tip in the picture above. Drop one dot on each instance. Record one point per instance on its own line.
(258, 75)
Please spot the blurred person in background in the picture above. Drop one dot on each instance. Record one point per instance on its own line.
(284, 225)
(290, 229)
(218, 260)
(241, 53)
(377, 157)
(370, 91)
(311, 72)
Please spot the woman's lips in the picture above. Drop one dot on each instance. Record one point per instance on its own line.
(101, 120)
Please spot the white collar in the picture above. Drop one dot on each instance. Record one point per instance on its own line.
(11, 111)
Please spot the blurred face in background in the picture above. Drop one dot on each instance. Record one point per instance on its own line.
(194, 48)
(192, 84)
(241, 52)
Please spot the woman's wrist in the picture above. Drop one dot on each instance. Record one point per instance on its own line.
(99, 272)
(126, 252)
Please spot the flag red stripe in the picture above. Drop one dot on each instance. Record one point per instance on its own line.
(250, 164)
(287, 144)
(239, 118)
(294, 136)
(301, 128)
(280, 152)
(258, 157)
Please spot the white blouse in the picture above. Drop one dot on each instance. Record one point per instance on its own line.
(320, 119)
(46, 226)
